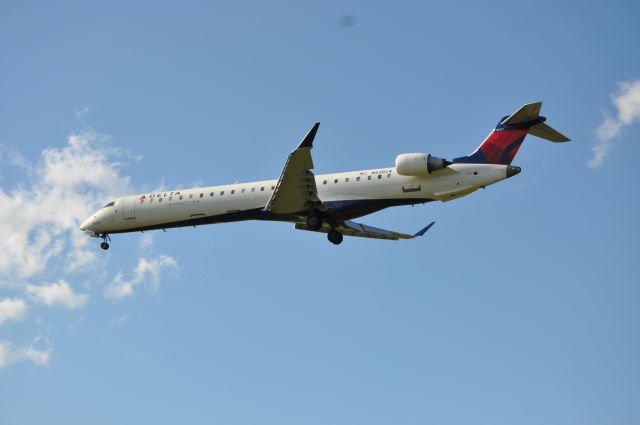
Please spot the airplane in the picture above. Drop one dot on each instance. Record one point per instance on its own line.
(328, 203)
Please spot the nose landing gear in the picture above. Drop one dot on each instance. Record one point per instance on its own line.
(104, 245)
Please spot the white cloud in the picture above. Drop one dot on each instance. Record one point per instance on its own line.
(73, 327)
(148, 270)
(39, 236)
(13, 309)
(9, 354)
(39, 357)
(627, 103)
(40, 220)
(15, 158)
(146, 240)
(81, 113)
(58, 293)
(118, 320)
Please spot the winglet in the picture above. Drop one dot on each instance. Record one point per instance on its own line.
(307, 142)
(423, 231)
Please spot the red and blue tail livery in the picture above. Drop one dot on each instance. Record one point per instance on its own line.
(501, 146)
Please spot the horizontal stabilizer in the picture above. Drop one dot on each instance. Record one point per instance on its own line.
(547, 132)
(527, 113)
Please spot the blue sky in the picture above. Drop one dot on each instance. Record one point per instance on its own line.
(520, 306)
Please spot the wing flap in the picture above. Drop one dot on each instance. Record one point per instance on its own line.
(351, 228)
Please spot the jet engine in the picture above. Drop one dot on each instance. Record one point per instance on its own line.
(419, 164)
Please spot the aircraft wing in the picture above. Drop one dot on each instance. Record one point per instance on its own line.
(296, 189)
(350, 228)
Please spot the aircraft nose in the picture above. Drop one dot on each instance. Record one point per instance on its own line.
(512, 171)
(84, 226)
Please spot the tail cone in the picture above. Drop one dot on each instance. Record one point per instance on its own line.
(512, 171)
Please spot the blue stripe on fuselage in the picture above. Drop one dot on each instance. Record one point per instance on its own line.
(341, 210)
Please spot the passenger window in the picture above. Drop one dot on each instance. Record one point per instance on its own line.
(170, 198)
(273, 187)
(262, 189)
(335, 181)
(389, 175)
(358, 178)
(368, 177)
(233, 191)
(221, 192)
(324, 182)
(379, 176)
(242, 190)
(191, 196)
(201, 195)
(160, 200)
(346, 180)
(180, 198)
(211, 194)
(253, 189)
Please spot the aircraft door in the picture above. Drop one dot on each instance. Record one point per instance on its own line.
(129, 208)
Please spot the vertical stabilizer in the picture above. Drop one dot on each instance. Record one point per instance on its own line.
(501, 146)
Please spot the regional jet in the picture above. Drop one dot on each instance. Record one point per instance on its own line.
(328, 203)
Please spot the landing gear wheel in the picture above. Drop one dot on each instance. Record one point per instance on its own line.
(314, 222)
(335, 237)
(104, 245)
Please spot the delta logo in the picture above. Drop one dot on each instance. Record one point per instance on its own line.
(158, 195)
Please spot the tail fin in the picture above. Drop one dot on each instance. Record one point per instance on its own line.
(503, 143)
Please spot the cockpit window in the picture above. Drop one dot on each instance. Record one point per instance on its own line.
(110, 204)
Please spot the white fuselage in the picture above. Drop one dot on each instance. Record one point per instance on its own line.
(347, 195)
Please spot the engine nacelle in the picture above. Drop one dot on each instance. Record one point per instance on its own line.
(419, 164)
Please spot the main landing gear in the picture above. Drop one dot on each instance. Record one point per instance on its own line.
(315, 221)
(335, 237)
(104, 245)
